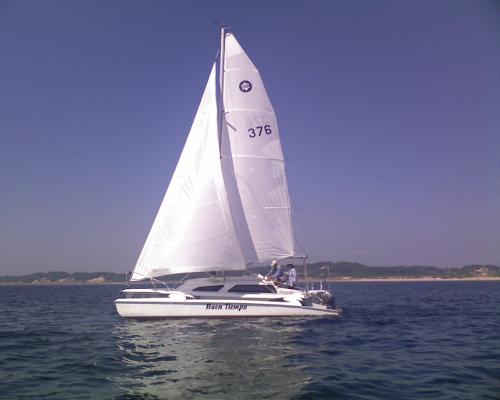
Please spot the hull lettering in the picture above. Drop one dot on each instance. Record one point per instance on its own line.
(238, 307)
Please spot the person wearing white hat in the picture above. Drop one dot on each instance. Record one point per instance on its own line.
(276, 274)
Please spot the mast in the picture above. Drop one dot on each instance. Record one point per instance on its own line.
(221, 82)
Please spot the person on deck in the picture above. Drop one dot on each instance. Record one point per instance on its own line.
(276, 274)
(292, 275)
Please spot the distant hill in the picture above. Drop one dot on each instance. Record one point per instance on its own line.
(319, 270)
(341, 270)
(64, 277)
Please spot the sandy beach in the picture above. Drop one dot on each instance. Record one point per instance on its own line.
(348, 279)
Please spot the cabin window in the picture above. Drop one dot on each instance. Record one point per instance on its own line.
(213, 288)
(253, 289)
(145, 295)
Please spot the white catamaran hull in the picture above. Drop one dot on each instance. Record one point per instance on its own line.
(207, 308)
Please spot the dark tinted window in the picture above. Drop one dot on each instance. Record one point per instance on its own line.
(214, 288)
(253, 289)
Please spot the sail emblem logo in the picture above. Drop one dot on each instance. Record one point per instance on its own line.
(245, 86)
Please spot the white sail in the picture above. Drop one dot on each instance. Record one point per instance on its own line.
(193, 230)
(253, 162)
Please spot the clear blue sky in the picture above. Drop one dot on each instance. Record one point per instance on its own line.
(389, 115)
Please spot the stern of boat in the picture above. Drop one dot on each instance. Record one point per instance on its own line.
(325, 298)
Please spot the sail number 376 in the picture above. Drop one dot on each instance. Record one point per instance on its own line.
(258, 130)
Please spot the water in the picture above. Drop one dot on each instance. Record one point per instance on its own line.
(395, 340)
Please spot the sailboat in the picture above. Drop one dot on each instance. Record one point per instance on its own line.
(227, 208)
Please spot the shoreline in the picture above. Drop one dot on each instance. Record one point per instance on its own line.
(424, 279)
(331, 280)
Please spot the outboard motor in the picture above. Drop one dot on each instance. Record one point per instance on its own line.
(328, 299)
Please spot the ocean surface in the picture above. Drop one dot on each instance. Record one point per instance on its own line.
(395, 340)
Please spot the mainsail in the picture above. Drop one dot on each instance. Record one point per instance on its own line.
(227, 204)
(251, 143)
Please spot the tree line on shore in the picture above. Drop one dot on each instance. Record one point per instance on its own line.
(340, 270)
(317, 271)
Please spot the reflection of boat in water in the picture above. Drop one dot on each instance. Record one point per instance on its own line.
(186, 359)
(227, 208)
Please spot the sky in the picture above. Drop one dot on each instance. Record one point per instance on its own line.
(388, 112)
